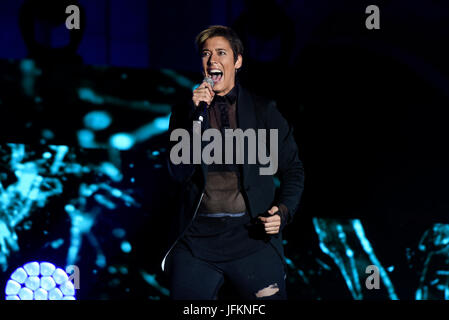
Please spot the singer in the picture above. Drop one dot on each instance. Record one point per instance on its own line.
(230, 221)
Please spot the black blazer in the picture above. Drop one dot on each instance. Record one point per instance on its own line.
(258, 190)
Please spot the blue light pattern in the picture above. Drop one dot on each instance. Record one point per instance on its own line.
(38, 179)
(340, 239)
(433, 253)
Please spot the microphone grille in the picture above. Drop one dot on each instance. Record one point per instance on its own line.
(209, 81)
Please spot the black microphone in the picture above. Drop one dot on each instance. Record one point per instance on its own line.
(203, 105)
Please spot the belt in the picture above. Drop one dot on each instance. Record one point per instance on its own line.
(222, 214)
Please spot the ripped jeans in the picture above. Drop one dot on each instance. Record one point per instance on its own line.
(259, 276)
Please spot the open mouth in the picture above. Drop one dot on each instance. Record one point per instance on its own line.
(216, 75)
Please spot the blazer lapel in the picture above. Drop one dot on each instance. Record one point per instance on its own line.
(246, 119)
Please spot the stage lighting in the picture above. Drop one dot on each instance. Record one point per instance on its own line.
(122, 141)
(97, 120)
(39, 281)
(126, 247)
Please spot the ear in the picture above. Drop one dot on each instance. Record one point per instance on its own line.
(238, 63)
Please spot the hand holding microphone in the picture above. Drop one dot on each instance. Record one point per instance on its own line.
(204, 94)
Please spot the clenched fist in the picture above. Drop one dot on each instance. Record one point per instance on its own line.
(271, 224)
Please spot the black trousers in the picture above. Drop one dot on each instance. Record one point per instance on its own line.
(259, 276)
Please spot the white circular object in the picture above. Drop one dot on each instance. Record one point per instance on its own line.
(55, 294)
(25, 294)
(39, 281)
(47, 269)
(12, 287)
(60, 276)
(32, 268)
(19, 275)
(67, 288)
(33, 283)
(47, 283)
(40, 294)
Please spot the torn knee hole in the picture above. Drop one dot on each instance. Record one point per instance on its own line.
(268, 291)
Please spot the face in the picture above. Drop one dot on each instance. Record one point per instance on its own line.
(218, 62)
